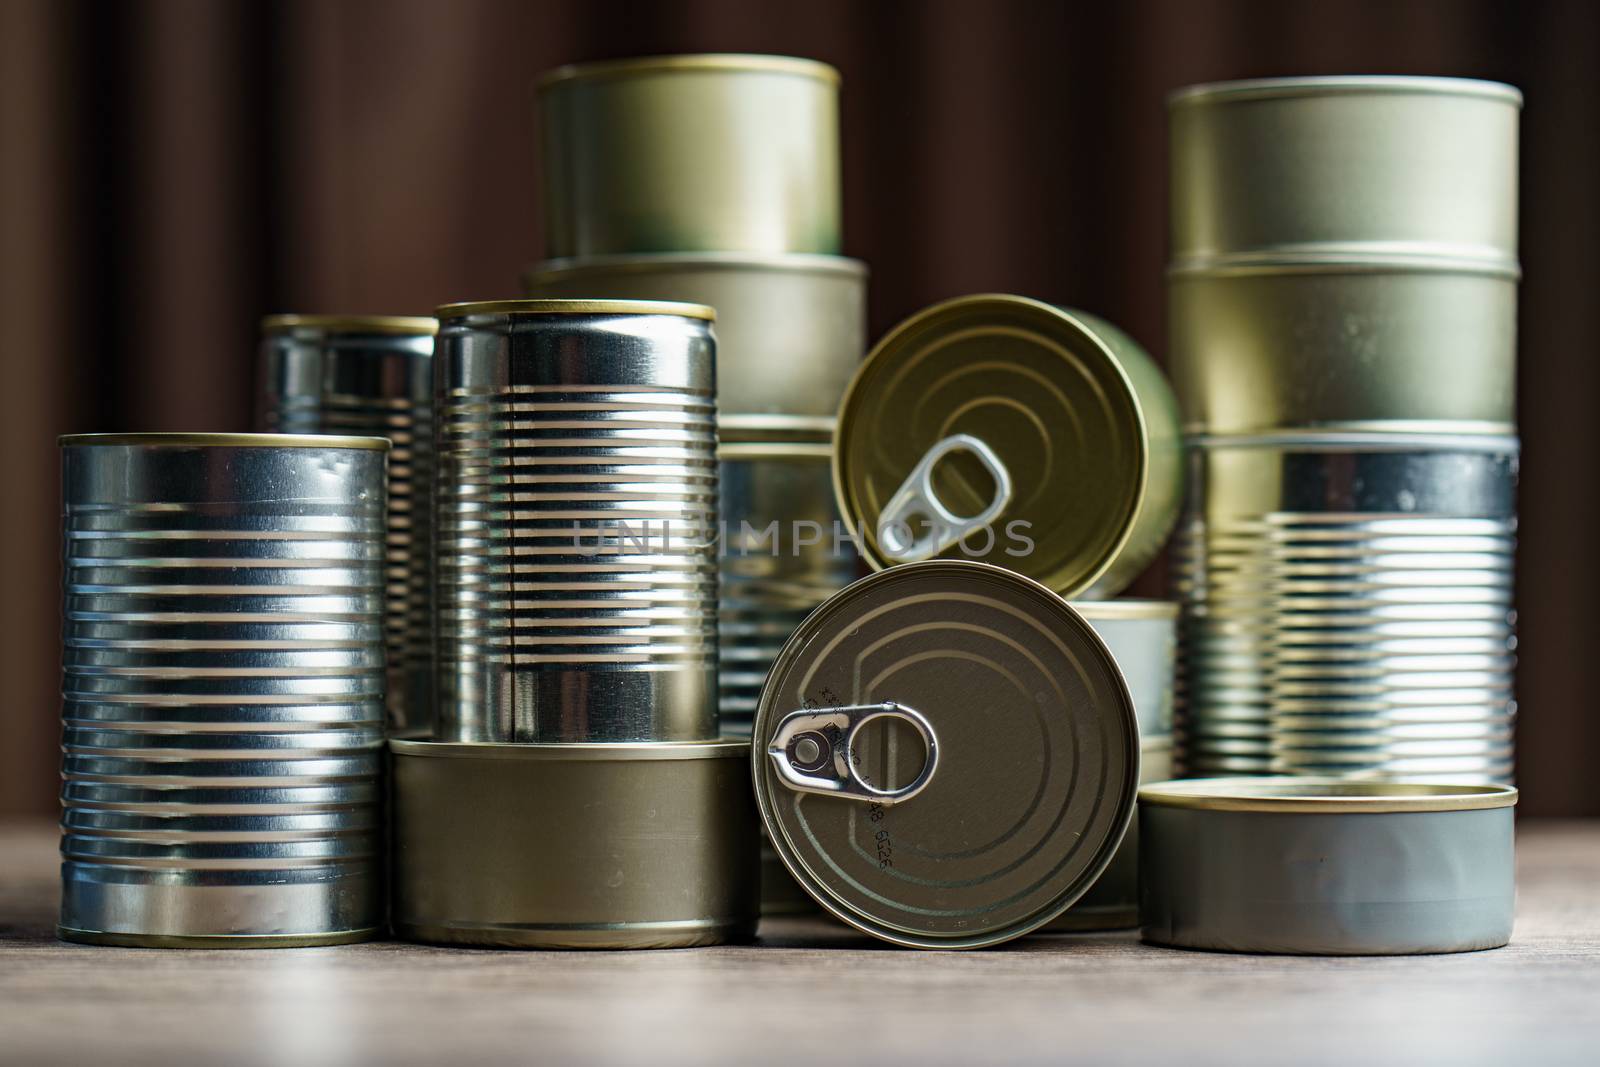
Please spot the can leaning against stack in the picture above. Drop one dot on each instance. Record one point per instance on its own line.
(1343, 311)
(715, 179)
(577, 793)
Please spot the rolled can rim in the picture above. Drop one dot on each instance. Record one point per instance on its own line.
(1346, 259)
(1491, 439)
(1324, 795)
(225, 440)
(1126, 608)
(671, 262)
(467, 308)
(610, 751)
(688, 63)
(388, 324)
(1322, 85)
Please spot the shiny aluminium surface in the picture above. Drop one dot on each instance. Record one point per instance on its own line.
(1326, 867)
(576, 504)
(574, 845)
(222, 689)
(1076, 414)
(372, 375)
(1037, 755)
(710, 153)
(791, 328)
(1348, 606)
(1393, 168)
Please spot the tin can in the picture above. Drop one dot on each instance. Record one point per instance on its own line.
(791, 328)
(371, 375)
(945, 755)
(1375, 167)
(1318, 866)
(691, 153)
(573, 845)
(1345, 345)
(1003, 430)
(575, 522)
(1348, 606)
(222, 689)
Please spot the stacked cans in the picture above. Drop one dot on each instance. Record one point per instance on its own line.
(371, 374)
(576, 792)
(222, 690)
(1343, 310)
(715, 179)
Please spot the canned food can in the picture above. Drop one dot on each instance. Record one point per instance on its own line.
(1391, 167)
(691, 153)
(945, 755)
(573, 845)
(1348, 606)
(791, 328)
(371, 375)
(1003, 430)
(1317, 866)
(222, 689)
(1351, 345)
(576, 522)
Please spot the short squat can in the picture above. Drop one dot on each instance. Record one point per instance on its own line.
(222, 689)
(371, 374)
(576, 522)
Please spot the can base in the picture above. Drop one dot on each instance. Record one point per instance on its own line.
(690, 933)
(217, 941)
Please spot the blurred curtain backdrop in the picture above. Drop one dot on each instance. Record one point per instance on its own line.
(172, 170)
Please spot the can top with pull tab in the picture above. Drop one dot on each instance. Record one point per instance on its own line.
(1001, 429)
(945, 755)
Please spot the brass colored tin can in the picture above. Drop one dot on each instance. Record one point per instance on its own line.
(945, 755)
(691, 153)
(647, 845)
(1008, 431)
(371, 374)
(1372, 167)
(791, 329)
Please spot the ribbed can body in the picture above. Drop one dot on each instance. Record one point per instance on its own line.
(1348, 607)
(356, 379)
(222, 690)
(576, 521)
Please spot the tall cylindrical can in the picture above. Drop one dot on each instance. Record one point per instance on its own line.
(337, 374)
(222, 689)
(1348, 606)
(575, 522)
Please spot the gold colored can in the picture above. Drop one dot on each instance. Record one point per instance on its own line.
(1008, 431)
(708, 153)
(790, 328)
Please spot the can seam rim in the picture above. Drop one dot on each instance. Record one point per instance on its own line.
(688, 62)
(352, 324)
(1277, 795)
(620, 751)
(513, 307)
(1321, 85)
(565, 267)
(1360, 441)
(225, 440)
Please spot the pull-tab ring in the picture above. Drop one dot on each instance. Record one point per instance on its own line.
(899, 538)
(814, 751)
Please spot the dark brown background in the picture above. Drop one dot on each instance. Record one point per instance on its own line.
(173, 170)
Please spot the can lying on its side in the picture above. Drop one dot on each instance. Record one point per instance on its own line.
(1004, 430)
(691, 153)
(1325, 866)
(575, 519)
(371, 374)
(791, 329)
(574, 845)
(222, 689)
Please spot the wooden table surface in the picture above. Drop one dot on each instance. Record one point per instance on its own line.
(809, 992)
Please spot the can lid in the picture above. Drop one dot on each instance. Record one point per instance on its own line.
(356, 324)
(999, 429)
(945, 755)
(1325, 796)
(575, 307)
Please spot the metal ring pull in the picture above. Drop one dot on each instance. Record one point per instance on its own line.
(815, 751)
(915, 499)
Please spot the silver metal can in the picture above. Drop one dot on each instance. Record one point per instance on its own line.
(1348, 606)
(575, 521)
(791, 329)
(371, 375)
(1325, 867)
(222, 689)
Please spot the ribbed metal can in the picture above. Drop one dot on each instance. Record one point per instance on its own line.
(1348, 606)
(575, 522)
(222, 689)
(361, 374)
